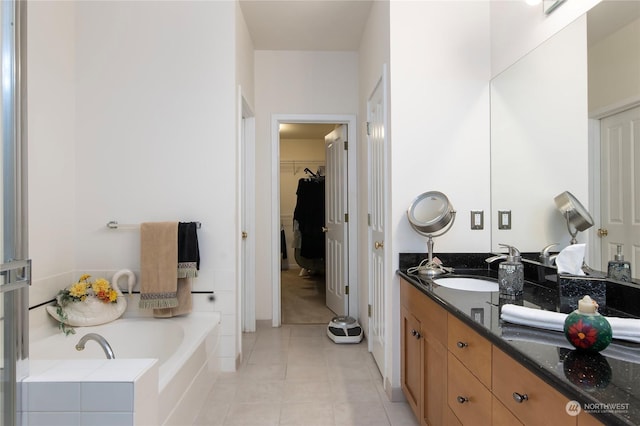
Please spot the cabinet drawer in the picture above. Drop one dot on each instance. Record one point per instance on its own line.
(527, 396)
(502, 416)
(428, 312)
(473, 350)
(469, 399)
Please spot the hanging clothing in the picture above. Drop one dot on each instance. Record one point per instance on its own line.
(309, 213)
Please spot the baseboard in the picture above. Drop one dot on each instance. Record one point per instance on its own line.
(394, 394)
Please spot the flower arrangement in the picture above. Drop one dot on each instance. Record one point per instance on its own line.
(83, 290)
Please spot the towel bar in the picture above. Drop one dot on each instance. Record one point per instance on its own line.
(115, 225)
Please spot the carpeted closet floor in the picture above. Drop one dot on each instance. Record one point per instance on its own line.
(303, 298)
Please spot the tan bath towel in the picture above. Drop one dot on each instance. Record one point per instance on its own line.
(185, 302)
(158, 260)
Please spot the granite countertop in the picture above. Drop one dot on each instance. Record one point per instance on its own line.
(606, 384)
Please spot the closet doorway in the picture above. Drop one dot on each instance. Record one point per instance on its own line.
(300, 165)
(303, 165)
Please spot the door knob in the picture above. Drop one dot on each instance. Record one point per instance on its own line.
(378, 244)
(325, 229)
(602, 232)
(244, 235)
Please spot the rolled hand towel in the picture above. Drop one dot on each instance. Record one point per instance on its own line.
(533, 317)
(524, 334)
(623, 328)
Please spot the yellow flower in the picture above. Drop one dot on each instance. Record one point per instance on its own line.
(84, 277)
(78, 289)
(101, 285)
(113, 295)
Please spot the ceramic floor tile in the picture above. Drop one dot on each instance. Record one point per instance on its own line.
(295, 375)
(253, 414)
(360, 414)
(307, 414)
(307, 391)
(262, 391)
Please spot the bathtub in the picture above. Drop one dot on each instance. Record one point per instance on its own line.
(183, 347)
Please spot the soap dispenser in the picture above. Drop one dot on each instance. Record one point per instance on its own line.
(511, 273)
(619, 269)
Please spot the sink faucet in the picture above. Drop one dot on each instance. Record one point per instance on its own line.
(101, 341)
(544, 257)
(494, 258)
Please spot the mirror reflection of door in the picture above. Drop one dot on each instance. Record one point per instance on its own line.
(620, 177)
(303, 166)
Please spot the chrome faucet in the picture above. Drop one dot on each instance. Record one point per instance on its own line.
(494, 258)
(101, 341)
(544, 257)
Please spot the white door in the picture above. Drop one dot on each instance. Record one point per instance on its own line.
(336, 221)
(620, 183)
(376, 195)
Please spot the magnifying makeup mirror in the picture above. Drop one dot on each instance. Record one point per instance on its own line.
(430, 213)
(575, 213)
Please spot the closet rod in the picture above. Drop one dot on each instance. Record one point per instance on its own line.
(115, 225)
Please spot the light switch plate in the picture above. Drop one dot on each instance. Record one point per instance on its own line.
(477, 219)
(504, 219)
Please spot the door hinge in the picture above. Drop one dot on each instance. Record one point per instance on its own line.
(346, 217)
(368, 128)
(369, 309)
(346, 145)
(346, 289)
(368, 219)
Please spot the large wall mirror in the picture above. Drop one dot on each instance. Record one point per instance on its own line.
(540, 122)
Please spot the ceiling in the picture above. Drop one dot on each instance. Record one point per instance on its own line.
(305, 131)
(328, 25)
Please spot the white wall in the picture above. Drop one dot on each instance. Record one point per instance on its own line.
(517, 28)
(52, 157)
(144, 130)
(292, 82)
(614, 67)
(440, 71)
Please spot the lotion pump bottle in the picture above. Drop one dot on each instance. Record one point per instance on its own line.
(619, 269)
(511, 273)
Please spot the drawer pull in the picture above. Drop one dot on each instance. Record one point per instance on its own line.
(462, 345)
(462, 399)
(520, 397)
(415, 334)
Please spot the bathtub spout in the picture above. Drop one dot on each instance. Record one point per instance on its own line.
(101, 341)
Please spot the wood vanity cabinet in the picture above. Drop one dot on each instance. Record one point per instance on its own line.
(451, 375)
(424, 357)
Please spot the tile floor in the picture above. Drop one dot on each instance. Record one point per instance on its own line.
(295, 375)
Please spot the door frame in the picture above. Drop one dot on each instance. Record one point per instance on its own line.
(352, 203)
(245, 267)
(594, 255)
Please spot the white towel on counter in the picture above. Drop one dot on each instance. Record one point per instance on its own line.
(622, 328)
(524, 334)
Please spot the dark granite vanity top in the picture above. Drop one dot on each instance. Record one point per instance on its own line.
(611, 377)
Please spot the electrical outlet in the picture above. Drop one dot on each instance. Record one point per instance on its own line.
(477, 314)
(504, 219)
(477, 219)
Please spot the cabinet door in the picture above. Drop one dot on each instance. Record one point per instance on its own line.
(435, 381)
(501, 416)
(411, 365)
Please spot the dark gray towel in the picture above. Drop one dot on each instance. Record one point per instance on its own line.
(188, 250)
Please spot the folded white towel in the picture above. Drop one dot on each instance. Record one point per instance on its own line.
(622, 328)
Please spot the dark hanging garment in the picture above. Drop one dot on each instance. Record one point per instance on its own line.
(309, 213)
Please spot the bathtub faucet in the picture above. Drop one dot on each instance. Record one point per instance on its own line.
(101, 341)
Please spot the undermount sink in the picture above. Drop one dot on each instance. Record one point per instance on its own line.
(466, 283)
